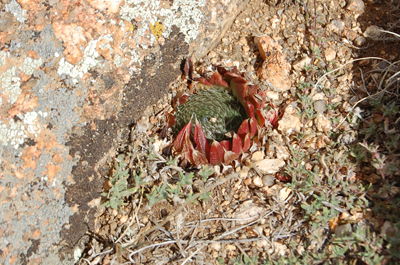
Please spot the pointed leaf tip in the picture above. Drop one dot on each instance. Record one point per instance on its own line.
(180, 138)
(246, 142)
(253, 127)
(216, 79)
(201, 140)
(243, 129)
(236, 144)
(216, 153)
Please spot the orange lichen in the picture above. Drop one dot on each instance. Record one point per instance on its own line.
(52, 171)
(57, 158)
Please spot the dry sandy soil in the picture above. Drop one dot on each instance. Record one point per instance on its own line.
(249, 214)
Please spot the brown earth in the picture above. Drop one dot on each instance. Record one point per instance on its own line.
(237, 196)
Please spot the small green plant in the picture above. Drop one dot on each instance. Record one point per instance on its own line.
(151, 155)
(158, 194)
(171, 161)
(204, 196)
(185, 179)
(244, 260)
(205, 172)
(119, 185)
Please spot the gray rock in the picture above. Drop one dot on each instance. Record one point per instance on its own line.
(86, 77)
(268, 180)
(343, 230)
(320, 106)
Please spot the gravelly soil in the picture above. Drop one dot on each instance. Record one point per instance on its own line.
(249, 213)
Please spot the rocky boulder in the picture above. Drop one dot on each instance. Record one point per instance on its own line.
(74, 76)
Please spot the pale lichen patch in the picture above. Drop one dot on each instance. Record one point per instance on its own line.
(29, 65)
(14, 8)
(88, 61)
(10, 83)
(15, 132)
(3, 56)
(185, 14)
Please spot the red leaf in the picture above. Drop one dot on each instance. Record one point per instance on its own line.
(229, 156)
(230, 75)
(256, 102)
(216, 153)
(251, 89)
(249, 109)
(183, 99)
(243, 129)
(180, 138)
(226, 144)
(253, 127)
(187, 150)
(200, 140)
(216, 79)
(203, 81)
(260, 118)
(171, 120)
(239, 89)
(199, 158)
(236, 144)
(246, 142)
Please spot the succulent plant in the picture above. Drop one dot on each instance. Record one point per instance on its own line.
(223, 103)
(216, 110)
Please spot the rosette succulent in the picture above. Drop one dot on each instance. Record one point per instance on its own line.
(224, 103)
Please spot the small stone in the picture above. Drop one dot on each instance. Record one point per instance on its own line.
(373, 32)
(216, 246)
(198, 185)
(318, 96)
(217, 170)
(268, 180)
(388, 230)
(342, 3)
(276, 68)
(258, 155)
(280, 249)
(123, 219)
(284, 193)
(322, 123)
(300, 64)
(356, 6)
(257, 181)
(330, 54)
(262, 243)
(343, 230)
(336, 26)
(272, 95)
(244, 172)
(290, 122)
(350, 34)
(247, 182)
(320, 106)
(248, 211)
(269, 166)
(282, 152)
(230, 247)
(212, 54)
(360, 41)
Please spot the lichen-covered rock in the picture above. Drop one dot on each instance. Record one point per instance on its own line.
(73, 76)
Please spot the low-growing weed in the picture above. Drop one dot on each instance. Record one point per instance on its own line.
(119, 185)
